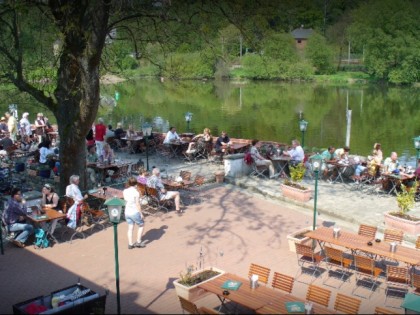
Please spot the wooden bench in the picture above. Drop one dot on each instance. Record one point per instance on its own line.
(346, 304)
(318, 295)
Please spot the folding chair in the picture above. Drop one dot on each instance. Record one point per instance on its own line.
(318, 295)
(283, 282)
(397, 282)
(393, 236)
(94, 217)
(415, 282)
(346, 304)
(338, 266)
(307, 257)
(259, 170)
(366, 273)
(262, 272)
(367, 230)
(191, 308)
(156, 202)
(148, 206)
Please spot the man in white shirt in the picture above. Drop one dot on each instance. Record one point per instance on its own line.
(171, 136)
(296, 153)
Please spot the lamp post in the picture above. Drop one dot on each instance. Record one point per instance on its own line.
(417, 147)
(188, 117)
(114, 206)
(316, 162)
(146, 128)
(303, 124)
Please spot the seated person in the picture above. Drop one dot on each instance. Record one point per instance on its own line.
(130, 132)
(296, 153)
(328, 156)
(171, 136)
(391, 163)
(154, 181)
(109, 132)
(73, 191)
(46, 154)
(107, 153)
(358, 168)
(222, 142)
(50, 200)
(343, 154)
(6, 142)
(142, 178)
(91, 157)
(119, 131)
(14, 218)
(260, 160)
(375, 160)
(205, 137)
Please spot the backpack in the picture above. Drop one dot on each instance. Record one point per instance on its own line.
(41, 238)
(248, 158)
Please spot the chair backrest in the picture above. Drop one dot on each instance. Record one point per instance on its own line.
(262, 272)
(418, 242)
(318, 295)
(381, 310)
(367, 230)
(142, 189)
(393, 236)
(415, 278)
(283, 282)
(185, 175)
(346, 304)
(334, 255)
(397, 275)
(152, 192)
(304, 250)
(366, 265)
(188, 306)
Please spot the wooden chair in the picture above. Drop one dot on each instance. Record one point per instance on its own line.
(418, 242)
(397, 282)
(367, 230)
(185, 175)
(94, 217)
(346, 304)
(307, 260)
(415, 282)
(318, 295)
(338, 266)
(155, 202)
(366, 272)
(283, 282)
(381, 310)
(262, 272)
(393, 236)
(191, 308)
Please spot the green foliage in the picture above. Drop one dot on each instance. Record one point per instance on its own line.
(297, 172)
(320, 54)
(406, 198)
(188, 279)
(188, 66)
(280, 46)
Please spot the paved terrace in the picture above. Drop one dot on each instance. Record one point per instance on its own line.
(247, 221)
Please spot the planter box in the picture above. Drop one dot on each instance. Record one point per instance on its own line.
(194, 293)
(292, 240)
(295, 193)
(409, 227)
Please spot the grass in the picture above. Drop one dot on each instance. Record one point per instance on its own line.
(343, 77)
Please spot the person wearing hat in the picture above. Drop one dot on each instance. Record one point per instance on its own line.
(11, 125)
(25, 125)
(3, 126)
(40, 126)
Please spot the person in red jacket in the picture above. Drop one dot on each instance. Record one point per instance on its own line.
(100, 131)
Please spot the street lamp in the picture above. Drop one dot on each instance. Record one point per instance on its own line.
(316, 162)
(114, 207)
(146, 128)
(417, 147)
(303, 124)
(188, 117)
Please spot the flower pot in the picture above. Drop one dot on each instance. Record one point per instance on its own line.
(295, 193)
(194, 293)
(408, 226)
(292, 238)
(220, 176)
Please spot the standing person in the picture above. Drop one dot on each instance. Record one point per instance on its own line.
(14, 217)
(91, 157)
(90, 140)
(3, 125)
(73, 191)
(133, 213)
(100, 131)
(40, 126)
(260, 160)
(25, 125)
(11, 125)
(171, 136)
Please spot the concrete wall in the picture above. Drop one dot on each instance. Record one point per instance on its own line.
(235, 166)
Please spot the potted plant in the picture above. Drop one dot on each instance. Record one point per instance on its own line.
(401, 219)
(187, 284)
(292, 189)
(298, 237)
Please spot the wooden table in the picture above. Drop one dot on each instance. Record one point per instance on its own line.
(353, 241)
(263, 300)
(134, 142)
(110, 192)
(103, 167)
(176, 147)
(395, 181)
(46, 216)
(172, 184)
(343, 169)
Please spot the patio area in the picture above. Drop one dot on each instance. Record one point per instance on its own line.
(232, 229)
